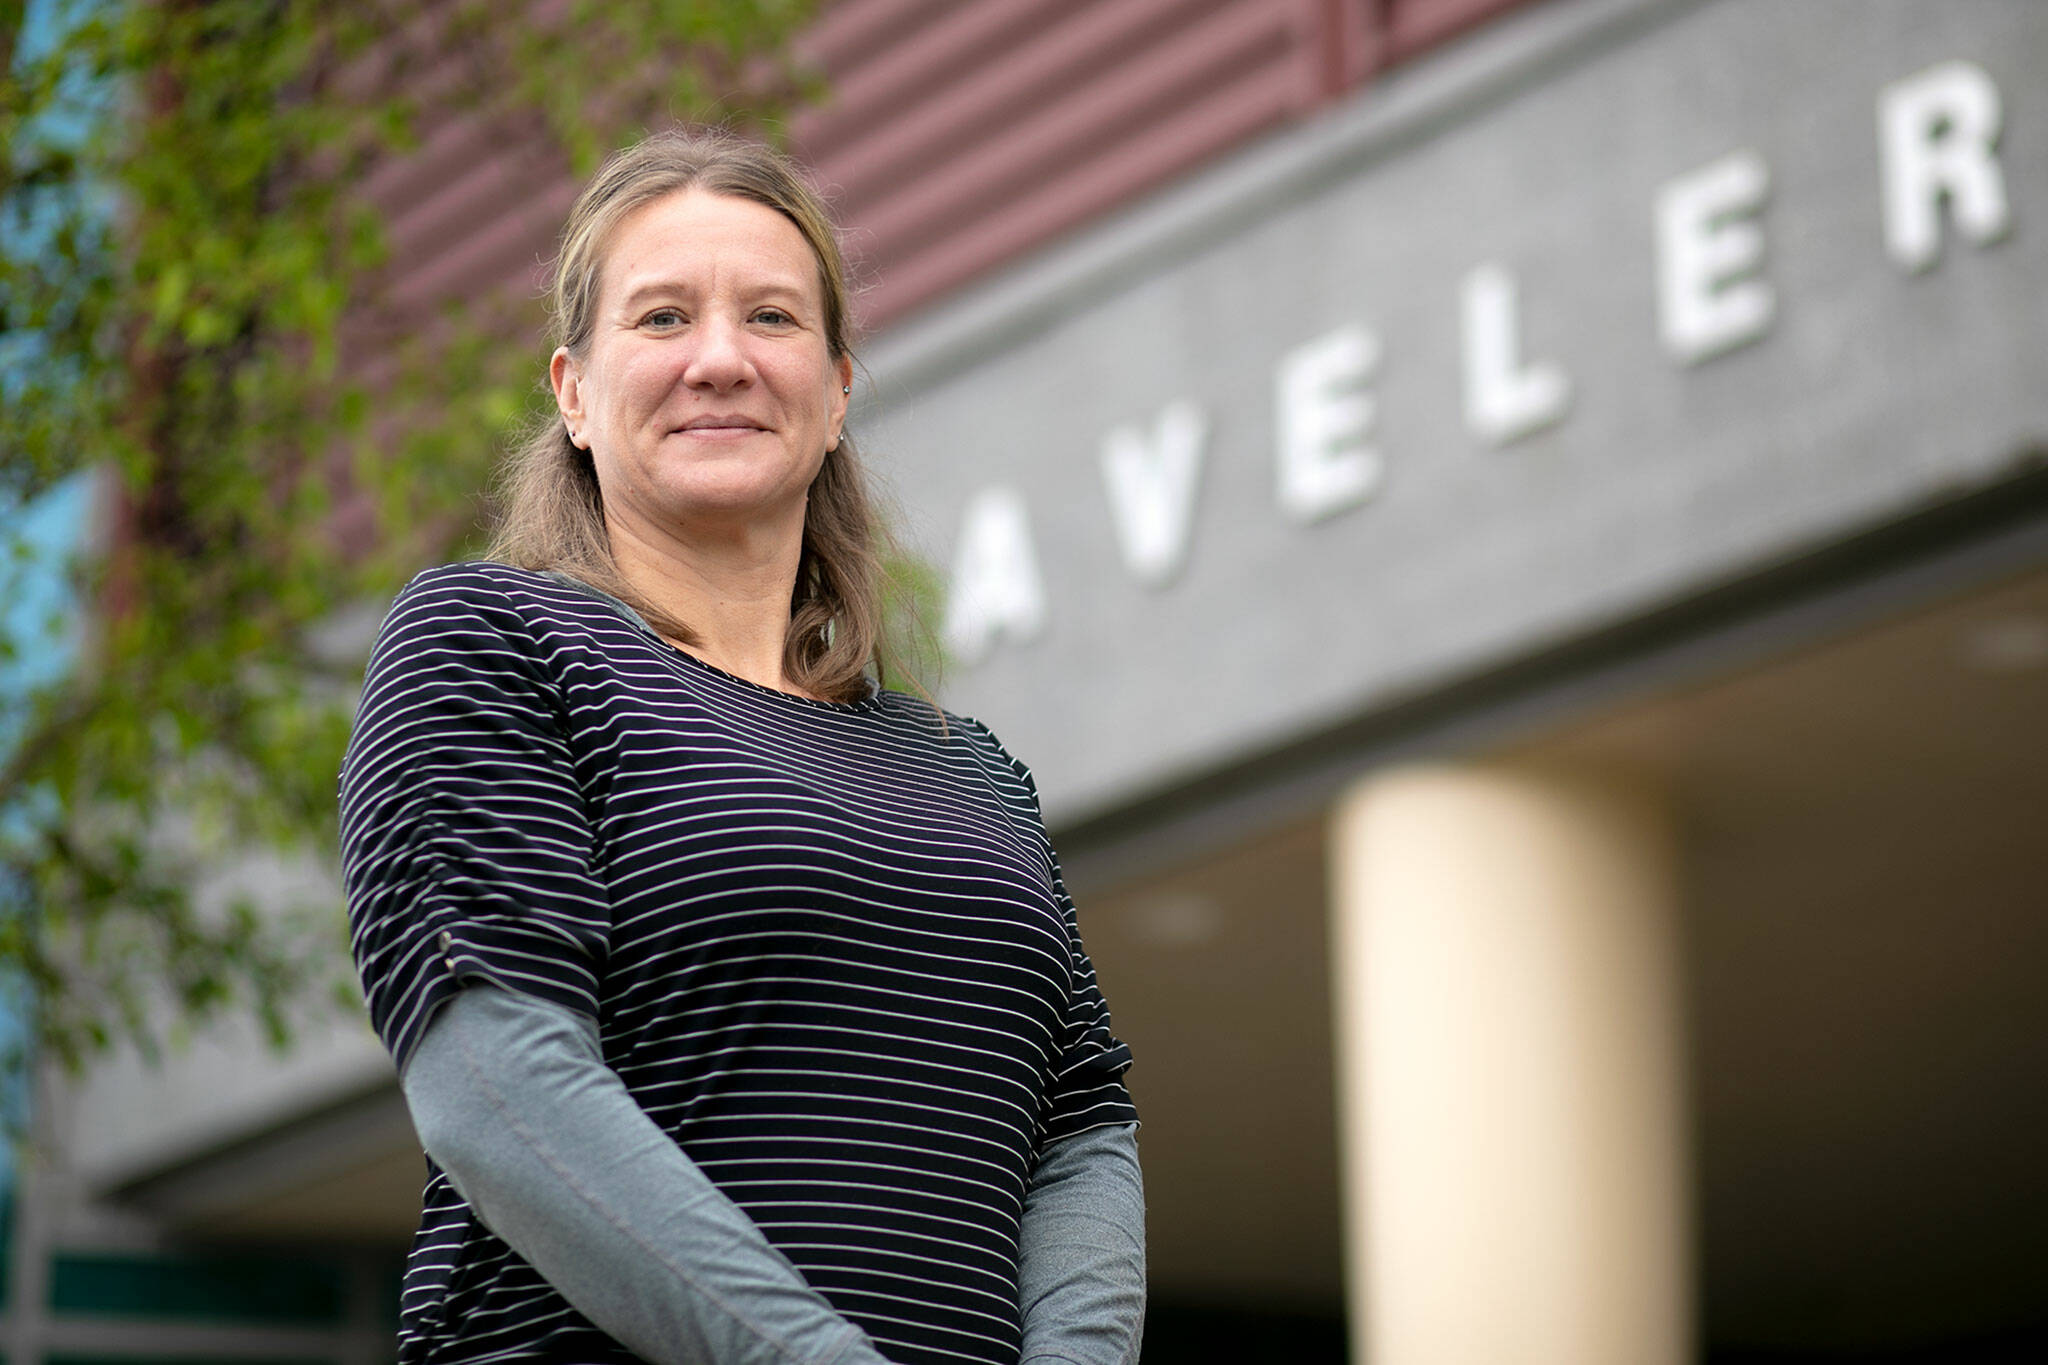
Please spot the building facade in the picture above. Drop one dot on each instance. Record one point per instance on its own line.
(1515, 539)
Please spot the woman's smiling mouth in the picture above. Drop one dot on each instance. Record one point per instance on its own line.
(720, 425)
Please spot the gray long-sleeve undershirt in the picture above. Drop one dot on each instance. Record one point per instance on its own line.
(511, 1097)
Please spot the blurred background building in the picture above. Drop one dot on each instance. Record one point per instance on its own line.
(1515, 538)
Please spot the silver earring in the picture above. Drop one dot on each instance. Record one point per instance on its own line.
(846, 388)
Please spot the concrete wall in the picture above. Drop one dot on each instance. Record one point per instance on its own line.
(1787, 368)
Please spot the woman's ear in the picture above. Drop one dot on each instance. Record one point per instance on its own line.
(566, 377)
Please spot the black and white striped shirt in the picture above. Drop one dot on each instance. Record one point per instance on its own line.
(827, 947)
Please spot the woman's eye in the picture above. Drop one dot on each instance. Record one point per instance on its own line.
(773, 317)
(663, 317)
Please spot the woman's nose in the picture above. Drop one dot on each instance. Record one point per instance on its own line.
(719, 358)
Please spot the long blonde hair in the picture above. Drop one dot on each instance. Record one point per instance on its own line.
(553, 516)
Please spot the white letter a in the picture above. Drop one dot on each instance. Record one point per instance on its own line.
(995, 588)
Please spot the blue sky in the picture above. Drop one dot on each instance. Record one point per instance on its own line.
(41, 538)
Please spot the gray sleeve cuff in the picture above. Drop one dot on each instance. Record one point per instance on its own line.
(511, 1097)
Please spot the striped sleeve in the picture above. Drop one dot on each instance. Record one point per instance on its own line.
(466, 844)
(1087, 1089)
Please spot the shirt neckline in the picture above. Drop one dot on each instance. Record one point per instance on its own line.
(639, 623)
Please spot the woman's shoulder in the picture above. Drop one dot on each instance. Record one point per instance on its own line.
(979, 737)
(497, 593)
(496, 609)
(480, 581)
(953, 733)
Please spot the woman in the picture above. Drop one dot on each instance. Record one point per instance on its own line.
(738, 1002)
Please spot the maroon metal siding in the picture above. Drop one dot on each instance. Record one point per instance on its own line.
(956, 135)
(471, 211)
(959, 134)
(1409, 26)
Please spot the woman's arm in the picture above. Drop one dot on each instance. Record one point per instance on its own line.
(1081, 1262)
(511, 1097)
(1081, 1246)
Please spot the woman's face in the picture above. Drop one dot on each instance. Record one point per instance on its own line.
(707, 395)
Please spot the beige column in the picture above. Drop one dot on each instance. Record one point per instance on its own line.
(1510, 1069)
